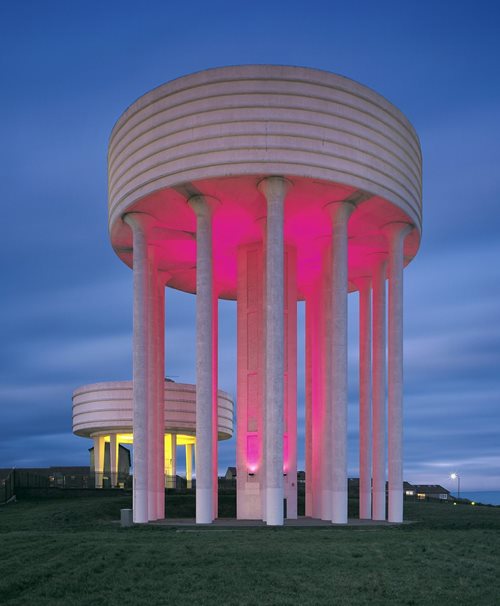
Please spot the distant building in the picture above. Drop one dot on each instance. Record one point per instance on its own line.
(432, 491)
(409, 490)
(230, 473)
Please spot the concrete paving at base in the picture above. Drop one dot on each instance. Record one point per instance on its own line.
(301, 522)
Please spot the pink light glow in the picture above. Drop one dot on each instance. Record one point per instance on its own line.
(236, 222)
(286, 462)
(253, 455)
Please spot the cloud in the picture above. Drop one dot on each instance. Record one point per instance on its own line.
(67, 300)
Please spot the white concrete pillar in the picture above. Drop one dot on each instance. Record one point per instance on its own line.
(262, 365)
(325, 403)
(170, 466)
(114, 447)
(309, 404)
(250, 478)
(168, 458)
(215, 401)
(378, 386)
(339, 214)
(290, 380)
(274, 190)
(317, 355)
(396, 234)
(173, 454)
(189, 465)
(143, 370)
(365, 398)
(260, 342)
(99, 446)
(203, 207)
(163, 278)
(153, 385)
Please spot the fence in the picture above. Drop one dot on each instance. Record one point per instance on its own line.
(85, 478)
(7, 490)
(24, 478)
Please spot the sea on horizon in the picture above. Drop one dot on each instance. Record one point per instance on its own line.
(487, 497)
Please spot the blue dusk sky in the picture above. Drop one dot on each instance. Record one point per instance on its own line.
(69, 69)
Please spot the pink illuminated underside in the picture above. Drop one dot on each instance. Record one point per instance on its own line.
(237, 221)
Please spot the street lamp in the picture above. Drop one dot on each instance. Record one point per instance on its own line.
(455, 476)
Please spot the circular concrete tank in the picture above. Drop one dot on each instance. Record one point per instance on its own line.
(104, 408)
(220, 131)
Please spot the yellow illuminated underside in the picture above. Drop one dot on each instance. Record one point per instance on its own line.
(128, 438)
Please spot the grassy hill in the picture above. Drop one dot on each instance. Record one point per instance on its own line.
(72, 551)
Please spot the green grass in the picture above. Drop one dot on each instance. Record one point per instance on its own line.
(72, 551)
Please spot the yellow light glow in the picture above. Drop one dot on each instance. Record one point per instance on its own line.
(182, 439)
(128, 438)
(473, 503)
(125, 438)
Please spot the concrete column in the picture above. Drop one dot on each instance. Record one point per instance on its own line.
(113, 459)
(189, 465)
(317, 412)
(274, 190)
(143, 375)
(153, 385)
(168, 458)
(365, 398)
(261, 360)
(203, 207)
(339, 214)
(250, 478)
(163, 278)
(378, 386)
(261, 304)
(99, 446)
(171, 459)
(173, 453)
(325, 401)
(215, 401)
(290, 379)
(309, 404)
(396, 234)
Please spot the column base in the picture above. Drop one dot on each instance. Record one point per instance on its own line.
(204, 506)
(140, 512)
(378, 506)
(395, 506)
(339, 507)
(160, 510)
(291, 496)
(309, 506)
(152, 506)
(326, 505)
(365, 506)
(248, 500)
(274, 507)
